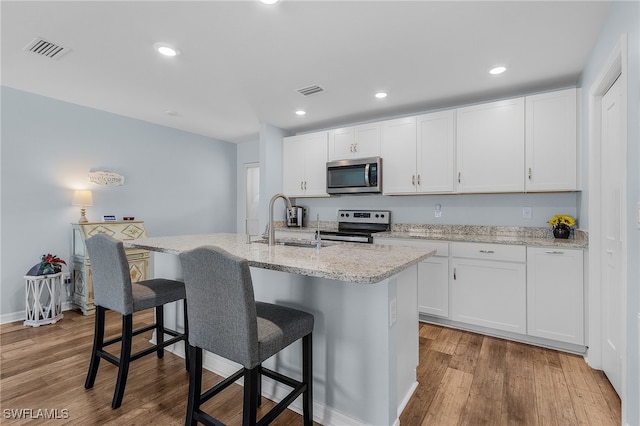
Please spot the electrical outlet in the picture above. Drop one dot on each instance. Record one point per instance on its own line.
(527, 212)
(393, 311)
(438, 210)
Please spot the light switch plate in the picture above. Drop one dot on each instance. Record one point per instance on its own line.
(527, 212)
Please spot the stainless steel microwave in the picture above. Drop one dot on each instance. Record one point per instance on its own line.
(363, 175)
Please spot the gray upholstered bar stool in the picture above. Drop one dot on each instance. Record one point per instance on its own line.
(225, 319)
(114, 290)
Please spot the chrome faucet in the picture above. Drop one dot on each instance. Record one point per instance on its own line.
(272, 232)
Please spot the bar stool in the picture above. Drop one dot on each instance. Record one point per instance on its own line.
(114, 290)
(225, 319)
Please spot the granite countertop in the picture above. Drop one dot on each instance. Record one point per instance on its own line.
(350, 262)
(530, 236)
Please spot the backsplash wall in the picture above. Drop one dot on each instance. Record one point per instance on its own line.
(475, 209)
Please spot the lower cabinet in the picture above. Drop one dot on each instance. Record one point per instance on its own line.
(433, 275)
(488, 286)
(555, 294)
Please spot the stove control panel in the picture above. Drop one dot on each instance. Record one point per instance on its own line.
(365, 216)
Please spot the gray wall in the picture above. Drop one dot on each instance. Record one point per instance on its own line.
(624, 18)
(177, 182)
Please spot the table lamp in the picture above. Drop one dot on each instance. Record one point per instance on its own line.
(83, 199)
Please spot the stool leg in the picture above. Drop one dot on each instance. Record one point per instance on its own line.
(195, 384)
(187, 355)
(259, 385)
(307, 377)
(160, 330)
(125, 359)
(98, 339)
(249, 406)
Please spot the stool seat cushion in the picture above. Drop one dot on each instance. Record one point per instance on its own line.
(279, 326)
(156, 292)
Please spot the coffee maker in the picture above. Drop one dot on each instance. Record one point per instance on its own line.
(295, 219)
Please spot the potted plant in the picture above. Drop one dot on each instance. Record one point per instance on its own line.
(49, 264)
(562, 224)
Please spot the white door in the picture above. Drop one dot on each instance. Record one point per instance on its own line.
(612, 158)
(399, 156)
(251, 198)
(435, 152)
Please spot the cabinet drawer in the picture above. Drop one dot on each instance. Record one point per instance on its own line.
(442, 248)
(501, 252)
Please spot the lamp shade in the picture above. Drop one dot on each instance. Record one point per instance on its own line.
(82, 198)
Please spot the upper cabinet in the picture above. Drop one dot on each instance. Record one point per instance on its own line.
(490, 147)
(304, 162)
(354, 142)
(418, 154)
(550, 141)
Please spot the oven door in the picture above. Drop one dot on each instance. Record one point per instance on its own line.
(349, 237)
(354, 176)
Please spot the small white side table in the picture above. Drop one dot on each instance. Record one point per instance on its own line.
(43, 299)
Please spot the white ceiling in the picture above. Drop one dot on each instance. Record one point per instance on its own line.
(242, 62)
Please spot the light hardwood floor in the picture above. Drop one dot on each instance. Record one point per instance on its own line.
(465, 379)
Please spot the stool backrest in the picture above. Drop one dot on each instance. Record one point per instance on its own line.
(110, 273)
(222, 310)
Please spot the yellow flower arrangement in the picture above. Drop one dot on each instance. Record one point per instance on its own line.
(562, 221)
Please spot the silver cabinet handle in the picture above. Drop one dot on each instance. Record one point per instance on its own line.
(305, 185)
(413, 180)
(487, 251)
(418, 179)
(454, 274)
(355, 147)
(554, 252)
(351, 148)
(301, 185)
(459, 176)
(530, 173)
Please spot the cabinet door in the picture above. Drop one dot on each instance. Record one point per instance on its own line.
(293, 155)
(551, 141)
(435, 152)
(315, 165)
(490, 147)
(433, 286)
(555, 294)
(489, 294)
(367, 141)
(341, 143)
(399, 156)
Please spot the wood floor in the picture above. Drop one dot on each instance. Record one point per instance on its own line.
(465, 379)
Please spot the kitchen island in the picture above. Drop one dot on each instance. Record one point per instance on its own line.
(364, 300)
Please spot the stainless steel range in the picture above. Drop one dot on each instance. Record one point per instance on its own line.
(359, 225)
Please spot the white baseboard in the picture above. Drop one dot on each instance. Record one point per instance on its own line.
(21, 315)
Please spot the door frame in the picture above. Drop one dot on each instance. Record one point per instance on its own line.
(616, 65)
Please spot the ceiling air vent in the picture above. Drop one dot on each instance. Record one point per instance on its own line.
(42, 47)
(311, 90)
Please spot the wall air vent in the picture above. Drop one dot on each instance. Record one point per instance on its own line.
(42, 47)
(310, 90)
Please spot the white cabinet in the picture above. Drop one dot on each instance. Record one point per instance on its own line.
(433, 275)
(354, 142)
(488, 286)
(490, 147)
(304, 162)
(550, 141)
(418, 154)
(555, 294)
(399, 156)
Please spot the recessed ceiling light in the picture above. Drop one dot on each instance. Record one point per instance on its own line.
(269, 1)
(300, 112)
(165, 49)
(381, 95)
(497, 70)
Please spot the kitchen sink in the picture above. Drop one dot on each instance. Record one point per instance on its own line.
(299, 243)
